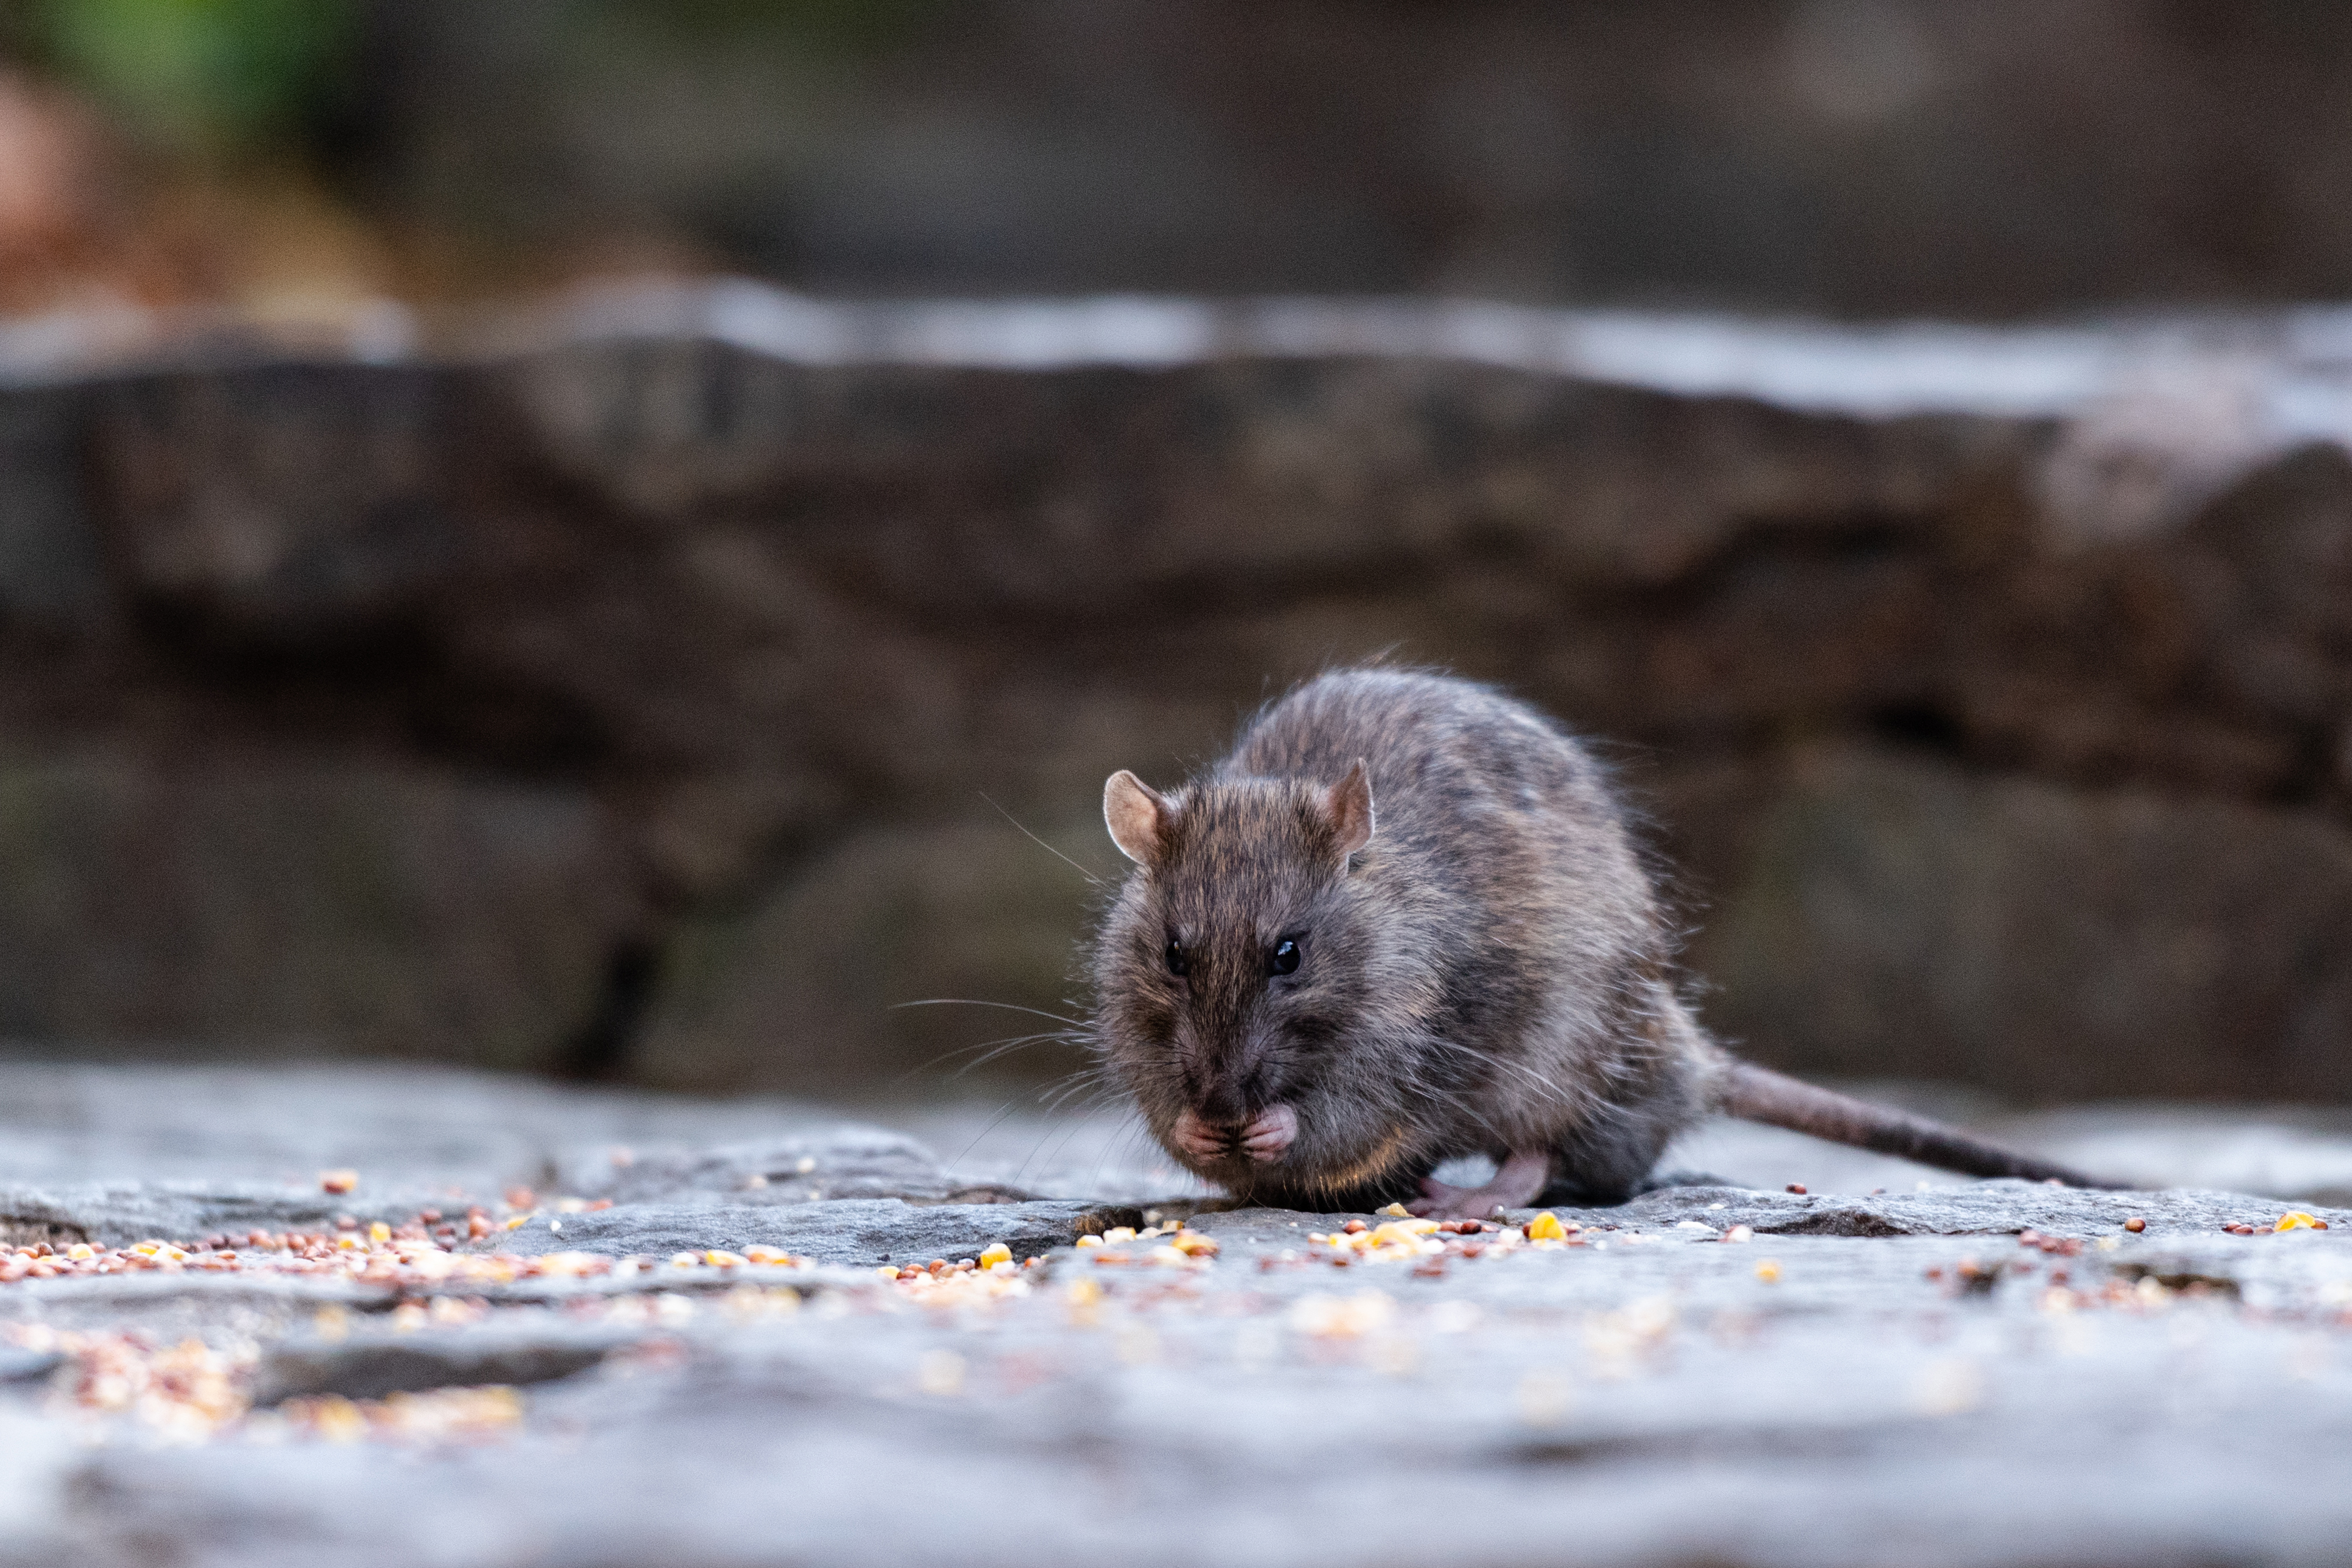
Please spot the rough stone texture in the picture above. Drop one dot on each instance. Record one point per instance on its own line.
(678, 647)
(1899, 918)
(844, 1230)
(1650, 1397)
(310, 904)
(522, 1349)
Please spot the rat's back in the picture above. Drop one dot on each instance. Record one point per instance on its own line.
(1504, 867)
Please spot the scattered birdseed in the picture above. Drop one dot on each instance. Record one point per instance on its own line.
(1400, 1240)
(1342, 1317)
(435, 1416)
(338, 1182)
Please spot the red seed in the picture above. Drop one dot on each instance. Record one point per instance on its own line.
(1797, 1188)
(1354, 1227)
(2134, 1225)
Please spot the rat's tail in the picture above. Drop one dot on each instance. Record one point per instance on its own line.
(1758, 1094)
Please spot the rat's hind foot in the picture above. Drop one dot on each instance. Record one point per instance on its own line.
(1515, 1185)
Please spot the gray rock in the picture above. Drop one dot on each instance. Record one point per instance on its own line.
(50, 573)
(847, 1231)
(1898, 919)
(1974, 1208)
(399, 1126)
(374, 1363)
(116, 1213)
(300, 904)
(622, 696)
(834, 1161)
(773, 990)
(1905, 1377)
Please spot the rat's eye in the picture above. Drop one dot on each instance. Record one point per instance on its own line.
(1284, 959)
(1178, 961)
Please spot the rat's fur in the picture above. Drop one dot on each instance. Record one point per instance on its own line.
(1492, 973)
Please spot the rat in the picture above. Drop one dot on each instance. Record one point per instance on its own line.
(1407, 920)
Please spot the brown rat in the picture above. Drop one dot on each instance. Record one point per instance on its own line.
(1406, 921)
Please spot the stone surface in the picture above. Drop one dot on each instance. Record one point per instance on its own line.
(1900, 919)
(377, 1362)
(641, 684)
(305, 904)
(840, 1230)
(1827, 1390)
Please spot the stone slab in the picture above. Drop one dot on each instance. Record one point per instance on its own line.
(847, 1230)
(1830, 1390)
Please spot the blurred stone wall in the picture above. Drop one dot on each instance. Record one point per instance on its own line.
(655, 693)
(1882, 157)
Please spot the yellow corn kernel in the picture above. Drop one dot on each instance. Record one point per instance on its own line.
(518, 1220)
(378, 1233)
(1769, 1271)
(1090, 1241)
(2295, 1219)
(996, 1253)
(1545, 1226)
(81, 1252)
(1193, 1244)
(350, 1242)
(1119, 1233)
(769, 1254)
(719, 1257)
(1398, 1211)
(338, 1420)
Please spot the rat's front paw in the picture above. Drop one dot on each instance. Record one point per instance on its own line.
(1275, 1131)
(1198, 1138)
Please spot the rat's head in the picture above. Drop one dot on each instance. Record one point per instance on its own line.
(1231, 971)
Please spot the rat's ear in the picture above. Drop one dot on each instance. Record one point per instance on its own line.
(1348, 805)
(1137, 817)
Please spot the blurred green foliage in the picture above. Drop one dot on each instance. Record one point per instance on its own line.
(201, 75)
(212, 77)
